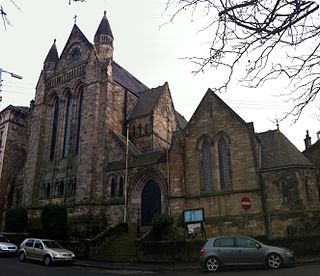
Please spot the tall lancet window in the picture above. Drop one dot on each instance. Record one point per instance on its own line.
(67, 128)
(54, 129)
(224, 163)
(79, 120)
(207, 166)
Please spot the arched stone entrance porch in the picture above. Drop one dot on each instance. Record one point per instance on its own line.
(147, 195)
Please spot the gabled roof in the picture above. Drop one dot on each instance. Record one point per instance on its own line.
(125, 79)
(104, 27)
(78, 36)
(147, 102)
(221, 102)
(52, 56)
(278, 152)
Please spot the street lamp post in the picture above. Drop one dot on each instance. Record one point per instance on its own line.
(11, 74)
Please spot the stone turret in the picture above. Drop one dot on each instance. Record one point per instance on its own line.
(52, 58)
(103, 40)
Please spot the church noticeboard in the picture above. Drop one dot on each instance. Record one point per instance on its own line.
(193, 215)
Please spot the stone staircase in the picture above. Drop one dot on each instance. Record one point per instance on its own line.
(117, 248)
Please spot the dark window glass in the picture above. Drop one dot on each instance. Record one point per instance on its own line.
(29, 243)
(38, 244)
(54, 129)
(79, 121)
(226, 242)
(68, 127)
(113, 187)
(139, 130)
(245, 242)
(121, 184)
(284, 190)
(224, 163)
(207, 166)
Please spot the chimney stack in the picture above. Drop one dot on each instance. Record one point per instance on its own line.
(307, 140)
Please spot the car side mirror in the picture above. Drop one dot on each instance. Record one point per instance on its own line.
(258, 246)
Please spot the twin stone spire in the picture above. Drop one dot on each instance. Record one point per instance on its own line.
(103, 41)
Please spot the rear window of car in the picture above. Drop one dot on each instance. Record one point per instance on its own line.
(29, 243)
(224, 242)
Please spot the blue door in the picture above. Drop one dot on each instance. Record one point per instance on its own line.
(150, 202)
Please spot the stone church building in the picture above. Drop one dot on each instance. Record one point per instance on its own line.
(87, 105)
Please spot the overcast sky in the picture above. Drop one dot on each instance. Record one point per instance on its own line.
(152, 54)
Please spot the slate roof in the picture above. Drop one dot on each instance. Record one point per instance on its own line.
(24, 109)
(142, 160)
(278, 152)
(123, 140)
(52, 55)
(147, 102)
(104, 27)
(182, 122)
(125, 79)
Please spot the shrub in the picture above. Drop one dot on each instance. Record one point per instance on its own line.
(16, 220)
(54, 220)
(162, 227)
(162, 221)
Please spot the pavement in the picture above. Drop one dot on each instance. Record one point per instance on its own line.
(158, 267)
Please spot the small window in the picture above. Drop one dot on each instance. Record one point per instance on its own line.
(29, 243)
(120, 191)
(113, 187)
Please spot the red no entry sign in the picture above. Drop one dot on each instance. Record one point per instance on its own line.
(246, 203)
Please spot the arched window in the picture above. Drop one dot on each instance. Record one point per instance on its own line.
(67, 128)
(207, 166)
(54, 129)
(121, 184)
(113, 187)
(79, 121)
(224, 163)
(308, 189)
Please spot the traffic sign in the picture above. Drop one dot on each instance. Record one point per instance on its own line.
(246, 203)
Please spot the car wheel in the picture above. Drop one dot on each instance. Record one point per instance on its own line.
(274, 261)
(47, 260)
(212, 264)
(22, 257)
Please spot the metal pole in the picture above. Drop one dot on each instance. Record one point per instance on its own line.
(125, 215)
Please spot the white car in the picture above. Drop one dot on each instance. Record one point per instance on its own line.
(6, 247)
(47, 251)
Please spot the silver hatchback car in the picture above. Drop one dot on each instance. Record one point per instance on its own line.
(241, 250)
(47, 251)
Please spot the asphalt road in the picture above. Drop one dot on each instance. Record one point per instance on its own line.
(12, 267)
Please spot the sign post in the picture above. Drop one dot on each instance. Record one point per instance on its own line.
(246, 205)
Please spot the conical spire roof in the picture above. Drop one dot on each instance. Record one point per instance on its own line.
(52, 56)
(104, 27)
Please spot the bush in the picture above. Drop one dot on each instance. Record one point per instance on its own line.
(162, 227)
(54, 220)
(16, 220)
(162, 221)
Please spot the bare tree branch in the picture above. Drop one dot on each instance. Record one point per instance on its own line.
(271, 38)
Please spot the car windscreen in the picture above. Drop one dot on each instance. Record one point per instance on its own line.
(52, 244)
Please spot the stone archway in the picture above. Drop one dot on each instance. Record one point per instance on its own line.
(150, 202)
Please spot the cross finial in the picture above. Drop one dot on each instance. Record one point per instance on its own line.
(75, 19)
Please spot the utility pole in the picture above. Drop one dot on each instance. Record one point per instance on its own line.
(10, 73)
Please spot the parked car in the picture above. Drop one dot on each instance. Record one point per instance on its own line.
(241, 250)
(6, 247)
(47, 251)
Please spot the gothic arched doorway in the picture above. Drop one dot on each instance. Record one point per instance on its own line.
(150, 202)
